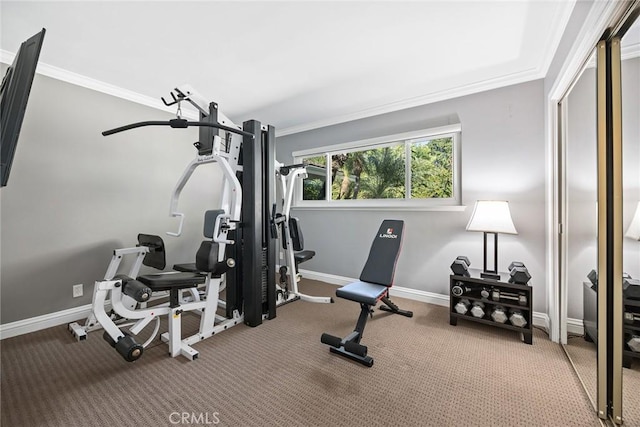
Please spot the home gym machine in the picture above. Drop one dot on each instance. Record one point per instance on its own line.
(240, 256)
(291, 237)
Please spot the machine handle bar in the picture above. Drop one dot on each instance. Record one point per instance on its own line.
(176, 124)
(285, 169)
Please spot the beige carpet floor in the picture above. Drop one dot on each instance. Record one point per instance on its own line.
(583, 355)
(426, 373)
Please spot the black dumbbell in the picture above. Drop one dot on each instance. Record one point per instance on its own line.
(459, 289)
(460, 266)
(516, 264)
(518, 273)
(593, 278)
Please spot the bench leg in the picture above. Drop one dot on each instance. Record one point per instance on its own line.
(392, 308)
(350, 346)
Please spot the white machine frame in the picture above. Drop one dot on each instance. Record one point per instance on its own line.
(137, 315)
(287, 186)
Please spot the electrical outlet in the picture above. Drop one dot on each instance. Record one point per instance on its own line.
(77, 290)
(281, 255)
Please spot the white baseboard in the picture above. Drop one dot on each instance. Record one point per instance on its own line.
(422, 296)
(38, 323)
(539, 319)
(45, 321)
(575, 326)
(331, 279)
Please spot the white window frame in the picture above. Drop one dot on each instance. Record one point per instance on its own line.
(449, 204)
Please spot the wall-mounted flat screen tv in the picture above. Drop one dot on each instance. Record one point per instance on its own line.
(14, 93)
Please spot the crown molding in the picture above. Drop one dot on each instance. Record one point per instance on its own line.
(539, 72)
(442, 95)
(534, 73)
(600, 16)
(429, 98)
(556, 29)
(67, 76)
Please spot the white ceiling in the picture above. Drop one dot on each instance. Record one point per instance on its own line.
(296, 65)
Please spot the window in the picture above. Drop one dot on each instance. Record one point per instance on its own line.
(412, 170)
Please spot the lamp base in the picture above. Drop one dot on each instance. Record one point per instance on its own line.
(488, 275)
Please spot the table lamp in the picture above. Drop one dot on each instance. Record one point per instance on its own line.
(491, 216)
(634, 228)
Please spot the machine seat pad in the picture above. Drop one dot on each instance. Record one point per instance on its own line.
(169, 281)
(303, 256)
(362, 292)
(186, 268)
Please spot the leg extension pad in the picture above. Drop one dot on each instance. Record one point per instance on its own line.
(348, 348)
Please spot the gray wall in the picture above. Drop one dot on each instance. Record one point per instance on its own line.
(582, 178)
(503, 157)
(74, 196)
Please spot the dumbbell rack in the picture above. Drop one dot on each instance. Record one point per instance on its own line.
(590, 325)
(475, 282)
(631, 305)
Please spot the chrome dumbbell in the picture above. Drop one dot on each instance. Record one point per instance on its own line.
(630, 317)
(634, 343)
(517, 319)
(478, 309)
(497, 295)
(499, 314)
(462, 306)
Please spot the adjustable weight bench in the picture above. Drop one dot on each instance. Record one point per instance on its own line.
(375, 280)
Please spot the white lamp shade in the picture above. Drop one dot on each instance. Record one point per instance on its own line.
(492, 216)
(634, 228)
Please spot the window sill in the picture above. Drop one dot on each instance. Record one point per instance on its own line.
(331, 206)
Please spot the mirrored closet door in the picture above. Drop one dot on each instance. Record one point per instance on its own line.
(630, 97)
(580, 234)
(600, 211)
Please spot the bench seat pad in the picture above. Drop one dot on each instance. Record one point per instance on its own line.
(303, 256)
(362, 292)
(168, 281)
